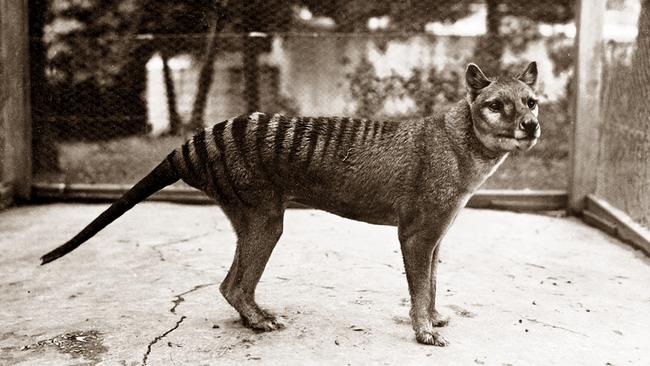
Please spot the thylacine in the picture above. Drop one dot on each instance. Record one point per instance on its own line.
(415, 174)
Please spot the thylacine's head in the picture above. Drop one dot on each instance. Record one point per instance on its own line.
(504, 109)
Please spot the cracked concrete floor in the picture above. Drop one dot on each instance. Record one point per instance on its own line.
(521, 289)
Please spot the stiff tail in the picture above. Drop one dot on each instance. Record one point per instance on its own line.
(161, 176)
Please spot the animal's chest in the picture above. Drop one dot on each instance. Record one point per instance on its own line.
(481, 171)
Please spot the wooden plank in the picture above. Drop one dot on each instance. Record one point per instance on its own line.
(586, 132)
(615, 222)
(524, 200)
(82, 192)
(14, 105)
(519, 200)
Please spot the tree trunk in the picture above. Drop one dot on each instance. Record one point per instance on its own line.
(175, 123)
(251, 74)
(489, 47)
(205, 77)
(45, 154)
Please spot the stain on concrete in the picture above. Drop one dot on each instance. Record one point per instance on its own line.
(86, 344)
(461, 312)
(401, 320)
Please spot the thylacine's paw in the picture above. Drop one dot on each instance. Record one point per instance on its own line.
(432, 338)
(266, 323)
(439, 320)
(425, 334)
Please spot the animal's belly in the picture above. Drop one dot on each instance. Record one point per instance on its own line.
(377, 212)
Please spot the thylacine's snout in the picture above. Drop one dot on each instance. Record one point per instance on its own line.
(531, 127)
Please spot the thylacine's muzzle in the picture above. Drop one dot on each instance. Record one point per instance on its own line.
(531, 127)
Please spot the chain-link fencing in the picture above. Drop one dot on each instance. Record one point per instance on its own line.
(623, 168)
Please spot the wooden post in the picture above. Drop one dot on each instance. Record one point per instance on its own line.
(588, 71)
(15, 133)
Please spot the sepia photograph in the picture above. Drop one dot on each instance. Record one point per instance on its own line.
(325, 182)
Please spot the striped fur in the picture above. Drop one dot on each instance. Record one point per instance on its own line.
(415, 174)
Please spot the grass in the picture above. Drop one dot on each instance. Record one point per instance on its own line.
(126, 160)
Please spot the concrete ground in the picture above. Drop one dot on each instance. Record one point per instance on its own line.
(520, 289)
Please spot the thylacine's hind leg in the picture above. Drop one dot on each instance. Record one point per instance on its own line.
(258, 230)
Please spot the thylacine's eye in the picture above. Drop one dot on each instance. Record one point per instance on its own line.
(495, 106)
(531, 103)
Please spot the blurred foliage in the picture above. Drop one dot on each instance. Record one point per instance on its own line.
(546, 11)
(93, 40)
(430, 89)
(560, 50)
(411, 15)
(85, 39)
(366, 89)
(513, 23)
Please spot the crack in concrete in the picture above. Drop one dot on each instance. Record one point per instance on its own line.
(555, 326)
(158, 338)
(179, 298)
(172, 242)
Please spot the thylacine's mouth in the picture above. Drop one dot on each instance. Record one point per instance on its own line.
(518, 138)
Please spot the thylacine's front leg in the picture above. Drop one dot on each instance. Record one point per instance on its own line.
(419, 238)
(437, 319)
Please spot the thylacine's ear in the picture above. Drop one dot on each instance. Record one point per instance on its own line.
(475, 80)
(529, 76)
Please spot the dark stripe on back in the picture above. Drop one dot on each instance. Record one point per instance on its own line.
(261, 130)
(313, 140)
(260, 137)
(339, 137)
(217, 135)
(207, 164)
(239, 126)
(331, 124)
(375, 129)
(278, 140)
(366, 130)
(187, 159)
(356, 123)
(299, 129)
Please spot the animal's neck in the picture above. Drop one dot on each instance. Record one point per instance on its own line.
(477, 162)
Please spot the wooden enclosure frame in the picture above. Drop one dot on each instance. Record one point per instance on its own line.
(579, 198)
(589, 51)
(15, 152)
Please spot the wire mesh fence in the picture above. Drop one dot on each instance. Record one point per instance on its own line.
(117, 84)
(623, 169)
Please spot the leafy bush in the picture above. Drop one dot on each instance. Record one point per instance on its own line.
(430, 90)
